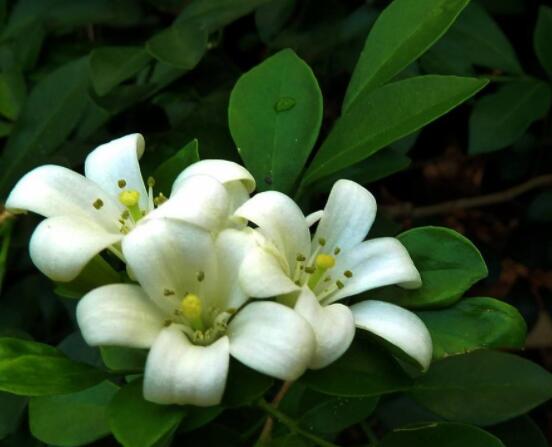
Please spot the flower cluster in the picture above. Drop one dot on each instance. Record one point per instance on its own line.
(205, 285)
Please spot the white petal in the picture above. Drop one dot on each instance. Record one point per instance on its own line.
(262, 276)
(222, 170)
(280, 220)
(119, 315)
(237, 193)
(376, 263)
(271, 338)
(200, 200)
(57, 191)
(178, 372)
(166, 256)
(62, 246)
(348, 215)
(333, 327)
(118, 160)
(313, 218)
(398, 326)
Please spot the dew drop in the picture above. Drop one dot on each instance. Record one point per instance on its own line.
(284, 104)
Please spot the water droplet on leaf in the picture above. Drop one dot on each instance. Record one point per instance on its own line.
(284, 104)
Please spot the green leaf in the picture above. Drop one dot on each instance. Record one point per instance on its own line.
(121, 359)
(244, 385)
(11, 410)
(542, 39)
(274, 115)
(109, 66)
(72, 419)
(181, 45)
(51, 112)
(364, 370)
(540, 209)
(474, 323)
(449, 264)
(520, 432)
(136, 422)
(33, 369)
(484, 387)
(403, 32)
(166, 172)
(12, 93)
(500, 119)
(387, 114)
(440, 434)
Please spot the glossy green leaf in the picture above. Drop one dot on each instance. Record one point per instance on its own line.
(11, 411)
(181, 45)
(34, 369)
(121, 359)
(274, 114)
(542, 39)
(136, 422)
(166, 172)
(449, 265)
(109, 66)
(12, 93)
(440, 434)
(72, 419)
(483, 387)
(520, 432)
(363, 371)
(244, 385)
(403, 31)
(386, 115)
(499, 119)
(52, 110)
(474, 323)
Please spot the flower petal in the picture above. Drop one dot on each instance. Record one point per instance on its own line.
(333, 327)
(280, 220)
(271, 338)
(313, 218)
(118, 160)
(262, 276)
(398, 326)
(348, 215)
(119, 315)
(222, 170)
(200, 200)
(62, 246)
(376, 263)
(178, 372)
(166, 257)
(57, 191)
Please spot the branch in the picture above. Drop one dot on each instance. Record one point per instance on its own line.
(409, 210)
(269, 424)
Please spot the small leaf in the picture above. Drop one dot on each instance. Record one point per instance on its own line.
(474, 323)
(500, 119)
(403, 31)
(12, 93)
(11, 410)
(136, 422)
(121, 359)
(386, 115)
(274, 114)
(166, 172)
(483, 387)
(542, 38)
(33, 369)
(72, 419)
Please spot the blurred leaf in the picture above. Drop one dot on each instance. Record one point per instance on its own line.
(542, 39)
(11, 410)
(244, 385)
(449, 264)
(51, 112)
(121, 359)
(386, 115)
(5, 129)
(182, 45)
(72, 419)
(484, 387)
(166, 172)
(272, 16)
(12, 93)
(109, 66)
(74, 347)
(136, 422)
(440, 434)
(197, 417)
(274, 115)
(34, 369)
(520, 432)
(474, 323)
(500, 119)
(540, 209)
(403, 31)
(363, 371)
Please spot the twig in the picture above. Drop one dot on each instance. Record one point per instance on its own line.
(409, 210)
(269, 424)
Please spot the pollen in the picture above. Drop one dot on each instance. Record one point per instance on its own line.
(324, 261)
(129, 197)
(190, 306)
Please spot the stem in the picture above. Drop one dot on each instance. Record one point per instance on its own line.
(269, 424)
(292, 425)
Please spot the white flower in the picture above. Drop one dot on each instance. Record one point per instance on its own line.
(87, 214)
(313, 274)
(192, 314)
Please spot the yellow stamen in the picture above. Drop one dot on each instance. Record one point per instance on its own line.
(129, 198)
(324, 261)
(190, 307)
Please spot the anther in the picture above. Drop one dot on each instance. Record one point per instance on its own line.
(151, 182)
(160, 199)
(339, 284)
(310, 270)
(121, 183)
(168, 292)
(348, 274)
(337, 251)
(200, 276)
(98, 203)
(322, 241)
(125, 214)
(300, 258)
